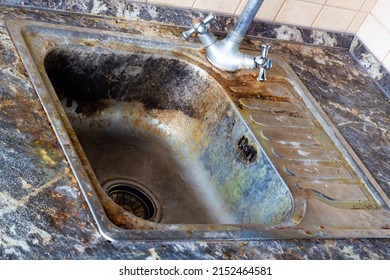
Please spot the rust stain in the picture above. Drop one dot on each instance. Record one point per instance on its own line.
(355, 111)
(46, 158)
(90, 43)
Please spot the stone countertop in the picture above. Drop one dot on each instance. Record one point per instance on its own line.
(43, 214)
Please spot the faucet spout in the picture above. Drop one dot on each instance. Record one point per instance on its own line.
(225, 54)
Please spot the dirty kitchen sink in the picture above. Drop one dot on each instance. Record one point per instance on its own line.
(166, 147)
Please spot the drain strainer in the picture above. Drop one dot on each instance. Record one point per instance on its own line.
(132, 198)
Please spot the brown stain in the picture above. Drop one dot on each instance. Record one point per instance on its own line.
(289, 256)
(90, 43)
(252, 89)
(30, 119)
(92, 82)
(309, 232)
(50, 44)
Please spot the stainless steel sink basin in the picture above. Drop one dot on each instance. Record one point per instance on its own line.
(164, 146)
(147, 120)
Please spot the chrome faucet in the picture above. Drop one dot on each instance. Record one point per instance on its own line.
(225, 54)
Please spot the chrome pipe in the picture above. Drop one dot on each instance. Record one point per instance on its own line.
(225, 54)
(245, 19)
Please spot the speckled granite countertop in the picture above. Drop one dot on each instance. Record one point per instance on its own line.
(43, 214)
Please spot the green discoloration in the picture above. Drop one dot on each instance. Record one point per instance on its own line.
(252, 192)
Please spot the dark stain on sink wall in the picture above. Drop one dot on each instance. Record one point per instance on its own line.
(95, 78)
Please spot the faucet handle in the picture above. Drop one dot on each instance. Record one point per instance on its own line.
(199, 26)
(211, 18)
(264, 50)
(263, 62)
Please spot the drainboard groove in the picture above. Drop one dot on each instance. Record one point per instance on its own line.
(281, 121)
(318, 171)
(342, 204)
(336, 191)
(304, 154)
(281, 137)
(270, 106)
(272, 90)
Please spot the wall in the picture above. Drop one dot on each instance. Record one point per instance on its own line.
(375, 32)
(335, 15)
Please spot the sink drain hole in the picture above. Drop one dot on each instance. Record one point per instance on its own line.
(132, 199)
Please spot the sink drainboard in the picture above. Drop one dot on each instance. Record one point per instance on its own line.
(299, 146)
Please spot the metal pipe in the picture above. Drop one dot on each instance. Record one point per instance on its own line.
(225, 54)
(246, 18)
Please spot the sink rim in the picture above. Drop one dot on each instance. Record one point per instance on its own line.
(218, 232)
